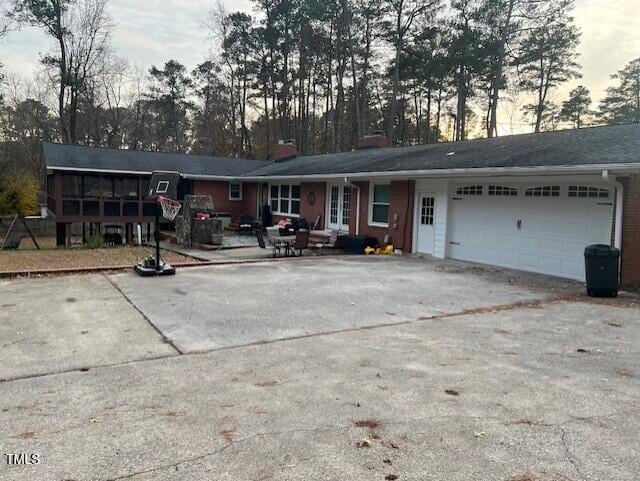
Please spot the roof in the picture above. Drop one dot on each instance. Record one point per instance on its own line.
(594, 146)
(75, 157)
(590, 146)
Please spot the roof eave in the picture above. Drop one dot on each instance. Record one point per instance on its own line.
(463, 172)
(139, 172)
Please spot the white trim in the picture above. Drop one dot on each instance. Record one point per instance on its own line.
(417, 219)
(481, 171)
(370, 205)
(241, 188)
(484, 171)
(340, 226)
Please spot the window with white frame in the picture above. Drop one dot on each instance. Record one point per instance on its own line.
(502, 190)
(543, 191)
(380, 196)
(427, 210)
(587, 191)
(469, 190)
(235, 191)
(285, 199)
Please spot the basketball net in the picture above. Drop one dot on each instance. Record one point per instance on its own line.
(170, 207)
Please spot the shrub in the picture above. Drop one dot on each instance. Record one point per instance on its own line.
(18, 194)
(94, 242)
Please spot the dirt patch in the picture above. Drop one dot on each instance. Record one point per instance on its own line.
(78, 258)
(267, 383)
(624, 372)
(228, 435)
(452, 392)
(523, 477)
(26, 435)
(368, 423)
(523, 421)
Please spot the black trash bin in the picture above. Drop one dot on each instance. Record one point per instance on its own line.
(602, 265)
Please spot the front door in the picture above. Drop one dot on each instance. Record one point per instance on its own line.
(338, 207)
(426, 223)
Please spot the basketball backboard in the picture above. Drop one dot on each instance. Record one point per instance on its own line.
(163, 184)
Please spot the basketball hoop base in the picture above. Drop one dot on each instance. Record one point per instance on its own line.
(163, 270)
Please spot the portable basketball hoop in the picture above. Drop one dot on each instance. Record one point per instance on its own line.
(163, 189)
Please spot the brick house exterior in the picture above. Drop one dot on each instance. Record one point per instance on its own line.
(530, 202)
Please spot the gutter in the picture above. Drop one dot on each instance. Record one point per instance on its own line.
(569, 169)
(433, 173)
(619, 207)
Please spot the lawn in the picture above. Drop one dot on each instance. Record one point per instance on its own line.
(77, 257)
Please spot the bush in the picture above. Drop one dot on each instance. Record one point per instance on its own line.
(94, 242)
(18, 194)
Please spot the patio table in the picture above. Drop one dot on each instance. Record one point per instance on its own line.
(285, 240)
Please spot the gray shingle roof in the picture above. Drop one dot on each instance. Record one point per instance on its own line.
(591, 146)
(78, 157)
(596, 145)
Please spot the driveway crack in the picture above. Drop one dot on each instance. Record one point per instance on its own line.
(144, 316)
(567, 452)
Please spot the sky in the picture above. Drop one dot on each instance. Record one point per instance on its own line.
(151, 32)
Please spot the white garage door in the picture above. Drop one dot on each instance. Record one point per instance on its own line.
(539, 228)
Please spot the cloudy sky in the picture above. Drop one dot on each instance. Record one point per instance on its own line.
(152, 31)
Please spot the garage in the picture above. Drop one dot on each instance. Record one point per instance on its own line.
(540, 227)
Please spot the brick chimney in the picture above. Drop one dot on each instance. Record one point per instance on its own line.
(377, 140)
(285, 150)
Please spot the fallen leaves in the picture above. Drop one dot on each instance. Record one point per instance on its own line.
(624, 372)
(451, 392)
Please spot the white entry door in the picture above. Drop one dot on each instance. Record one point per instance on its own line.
(338, 207)
(426, 222)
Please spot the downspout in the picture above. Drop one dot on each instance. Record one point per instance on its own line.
(617, 242)
(353, 186)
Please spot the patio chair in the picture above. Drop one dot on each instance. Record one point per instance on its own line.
(316, 223)
(301, 243)
(329, 243)
(274, 243)
(247, 224)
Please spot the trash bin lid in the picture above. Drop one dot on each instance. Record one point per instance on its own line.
(601, 250)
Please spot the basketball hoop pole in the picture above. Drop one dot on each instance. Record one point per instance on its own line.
(157, 235)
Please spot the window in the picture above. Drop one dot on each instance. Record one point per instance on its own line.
(470, 190)
(502, 190)
(380, 195)
(285, 199)
(235, 191)
(427, 210)
(590, 192)
(91, 187)
(126, 188)
(333, 205)
(544, 191)
(71, 186)
(346, 204)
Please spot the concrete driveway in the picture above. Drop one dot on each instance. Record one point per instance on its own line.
(401, 369)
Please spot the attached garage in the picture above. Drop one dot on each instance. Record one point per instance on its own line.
(537, 226)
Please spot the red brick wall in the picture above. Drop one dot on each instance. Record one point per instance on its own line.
(219, 192)
(630, 274)
(400, 214)
(310, 212)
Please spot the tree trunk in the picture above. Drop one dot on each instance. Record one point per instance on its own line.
(497, 80)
